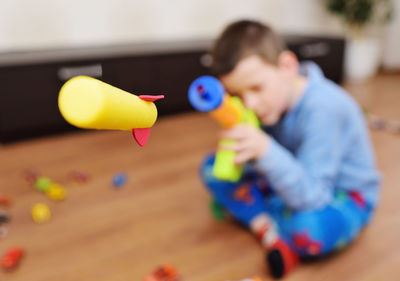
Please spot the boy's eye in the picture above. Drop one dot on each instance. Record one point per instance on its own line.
(256, 88)
(234, 94)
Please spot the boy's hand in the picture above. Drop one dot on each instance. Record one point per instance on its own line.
(251, 143)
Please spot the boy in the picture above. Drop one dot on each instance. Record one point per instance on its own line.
(311, 183)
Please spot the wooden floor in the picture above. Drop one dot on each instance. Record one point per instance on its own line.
(161, 215)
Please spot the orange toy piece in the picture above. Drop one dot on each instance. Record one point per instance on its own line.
(5, 201)
(165, 272)
(12, 258)
(228, 114)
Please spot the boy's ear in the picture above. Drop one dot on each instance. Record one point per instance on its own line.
(287, 60)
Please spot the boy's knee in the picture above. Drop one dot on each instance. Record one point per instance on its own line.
(319, 232)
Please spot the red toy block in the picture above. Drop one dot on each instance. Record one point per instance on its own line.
(165, 272)
(12, 258)
(5, 201)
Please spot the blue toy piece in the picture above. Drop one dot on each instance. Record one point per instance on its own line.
(206, 93)
(119, 179)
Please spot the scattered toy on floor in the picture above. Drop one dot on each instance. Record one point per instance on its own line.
(381, 124)
(4, 217)
(30, 176)
(5, 201)
(79, 177)
(89, 103)
(3, 231)
(119, 179)
(40, 213)
(50, 188)
(43, 183)
(12, 258)
(165, 272)
(56, 192)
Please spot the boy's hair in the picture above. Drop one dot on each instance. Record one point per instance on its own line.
(241, 39)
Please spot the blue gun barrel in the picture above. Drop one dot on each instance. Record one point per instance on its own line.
(206, 93)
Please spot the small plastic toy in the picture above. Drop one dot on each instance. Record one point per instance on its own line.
(30, 176)
(12, 258)
(4, 217)
(79, 177)
(43, 183)
(56, 192)
(51, 189)
(3, 231)
(119, 179)
(89, 103)
(5, 201)
(40, 213)
(381, 124)
(165, 272)
(207, 94)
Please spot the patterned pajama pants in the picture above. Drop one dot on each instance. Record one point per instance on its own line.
(309, 233)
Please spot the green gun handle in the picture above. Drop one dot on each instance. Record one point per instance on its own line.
(224, 166)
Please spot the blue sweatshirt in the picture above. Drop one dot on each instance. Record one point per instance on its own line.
(319, 146)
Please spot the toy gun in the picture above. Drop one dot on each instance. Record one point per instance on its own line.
(207, 94)
(89, 103)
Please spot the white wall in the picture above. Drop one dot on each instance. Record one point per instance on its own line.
(391, 51)
(38, 24)
(27, 24)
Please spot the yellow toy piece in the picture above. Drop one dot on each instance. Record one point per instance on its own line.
(40, 213)
(89, 103)
(56, 192)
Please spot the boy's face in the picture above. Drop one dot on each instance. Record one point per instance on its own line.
(263, 87)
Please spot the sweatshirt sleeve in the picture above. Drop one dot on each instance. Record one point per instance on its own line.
(305, 179)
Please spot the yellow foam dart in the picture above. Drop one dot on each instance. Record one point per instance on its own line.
(89, 103)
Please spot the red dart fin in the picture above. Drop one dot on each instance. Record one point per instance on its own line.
(151, 98)
(141, 135)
